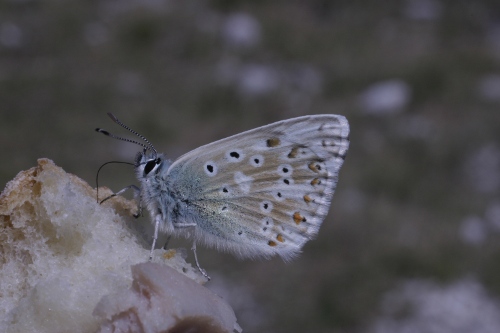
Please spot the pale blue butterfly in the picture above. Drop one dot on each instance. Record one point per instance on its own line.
(256, 194)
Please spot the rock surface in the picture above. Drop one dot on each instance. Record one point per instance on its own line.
(62, 254)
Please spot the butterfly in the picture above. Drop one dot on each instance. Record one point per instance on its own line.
(260, 193)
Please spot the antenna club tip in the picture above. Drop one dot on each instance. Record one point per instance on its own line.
(100, 130)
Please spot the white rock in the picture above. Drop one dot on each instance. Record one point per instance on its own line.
(481, 169)
(241, 30)
(257, 80)
(492, 215)
(488, 88)
(493, 39)
(473, 230)
(62, 252)
(386, 97)
(423, 9)
(11, 35)
(424, 306)
(163, 300)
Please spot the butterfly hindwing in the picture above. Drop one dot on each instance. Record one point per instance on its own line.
(264, 191)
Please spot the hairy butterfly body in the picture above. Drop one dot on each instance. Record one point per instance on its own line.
(259, 193)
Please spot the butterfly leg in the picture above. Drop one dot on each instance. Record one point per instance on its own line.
(202, 271)
(183, 225)
(137, 193)
(155, 235)
(166, 243)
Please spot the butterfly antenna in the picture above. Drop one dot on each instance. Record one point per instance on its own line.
(147, 146)
(100, 130)
(116, 120)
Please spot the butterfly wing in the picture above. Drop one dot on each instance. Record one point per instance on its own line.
(265, 191)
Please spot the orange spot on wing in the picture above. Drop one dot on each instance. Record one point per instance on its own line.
(280, 238)
(314, 167)
(293, 153)
(271, 243)
(297, 218)
(307, 198)
(315, 182)
(273, 142)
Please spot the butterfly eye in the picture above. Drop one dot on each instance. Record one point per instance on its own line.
(150, 165)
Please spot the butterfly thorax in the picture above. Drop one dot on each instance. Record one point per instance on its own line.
(157, 193)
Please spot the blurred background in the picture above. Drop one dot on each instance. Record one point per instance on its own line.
(412, 241)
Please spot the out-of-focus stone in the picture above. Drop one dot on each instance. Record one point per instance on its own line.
(163, 300)
(241, 30)
(386, 97)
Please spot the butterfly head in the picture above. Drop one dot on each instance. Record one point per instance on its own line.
(148, 164)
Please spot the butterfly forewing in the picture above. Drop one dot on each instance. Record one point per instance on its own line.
(265, 191)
